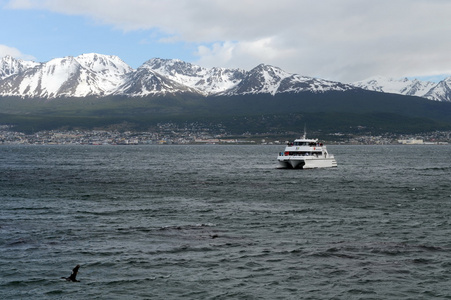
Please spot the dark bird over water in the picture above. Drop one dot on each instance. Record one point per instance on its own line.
(73, 276)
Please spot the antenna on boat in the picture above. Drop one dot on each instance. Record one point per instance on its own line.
(305, 132)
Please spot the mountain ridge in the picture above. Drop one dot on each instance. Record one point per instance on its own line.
(440, 91)
(84, 75)
(101, 75)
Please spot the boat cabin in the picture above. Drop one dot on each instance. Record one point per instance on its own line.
(305, 143)
(301, 153)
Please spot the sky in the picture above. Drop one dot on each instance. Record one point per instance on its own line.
(340, 40)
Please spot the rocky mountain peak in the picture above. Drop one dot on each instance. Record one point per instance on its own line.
(404, 86)
(10, 66)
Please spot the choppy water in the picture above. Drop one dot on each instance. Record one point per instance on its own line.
(221, 222)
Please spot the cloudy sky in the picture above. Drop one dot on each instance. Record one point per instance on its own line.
(342, 40)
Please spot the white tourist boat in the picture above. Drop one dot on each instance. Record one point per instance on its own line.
(306, 153)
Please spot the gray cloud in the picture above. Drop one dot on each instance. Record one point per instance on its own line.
(344, 40)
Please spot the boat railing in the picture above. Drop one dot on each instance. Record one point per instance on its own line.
(324, 154)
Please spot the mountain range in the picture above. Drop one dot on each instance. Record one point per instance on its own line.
(440, 91)
(104, 75)
(102, 91)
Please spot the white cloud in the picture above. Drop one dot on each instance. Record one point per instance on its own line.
(11, 51)
(217, 55)
(342, 40)
(244, 54)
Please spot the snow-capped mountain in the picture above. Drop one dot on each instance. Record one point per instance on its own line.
(109, 66)
(102, 75)
(89, 74)
(10, 66)
(207, 81)
(434, 91)
(145, 81)
(265, 79)
(261, 79)
(440, 92)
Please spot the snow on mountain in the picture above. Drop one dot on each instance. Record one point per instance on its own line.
(207, 81)
(296, 83)
(177, 70)
(10, 66)
(440, 92)
(145, 81)
(109, 65)
(382, 84)
(265, 79)
(417, 88)
(403, 86)
(261, 79)
(101, 75)
(89, 74)
(220, 81)
(110, 70)
(46, 80)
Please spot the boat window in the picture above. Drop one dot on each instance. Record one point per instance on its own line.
(300, 144)
(299, 153)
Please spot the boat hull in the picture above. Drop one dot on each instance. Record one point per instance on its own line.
(296, 162)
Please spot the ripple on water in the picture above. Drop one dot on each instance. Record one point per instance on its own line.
(217, 226)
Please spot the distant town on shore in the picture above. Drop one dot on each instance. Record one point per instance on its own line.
(172, 134)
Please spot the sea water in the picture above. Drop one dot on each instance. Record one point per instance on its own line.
(222, 222)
